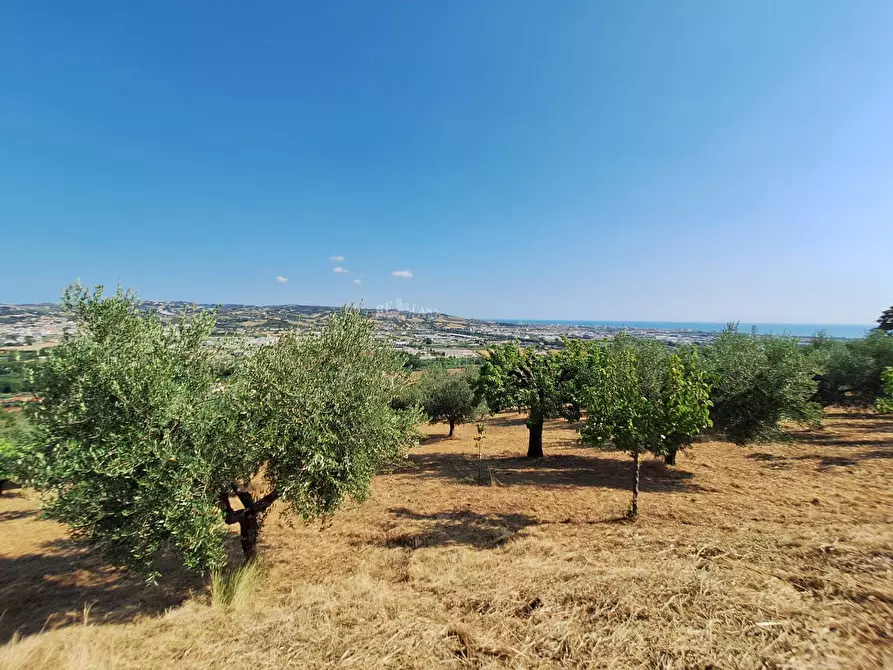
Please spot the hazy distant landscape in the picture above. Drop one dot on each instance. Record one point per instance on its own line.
(428, 334)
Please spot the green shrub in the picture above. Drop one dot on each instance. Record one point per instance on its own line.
(15, 432)
(448, 396)
(758, 382)
(852, 370)
(884, 403)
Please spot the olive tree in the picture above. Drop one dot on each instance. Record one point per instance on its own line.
(447, 396)
(851, 371)
(320, 418)
(759, 382)
(884, 404)
(14, 432)
(8, 457)
(636, 404)
(141, 448)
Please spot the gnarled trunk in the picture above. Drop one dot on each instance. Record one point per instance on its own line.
(250, 518)
(249, 529)
(452, 427)
(670, 457)
(535, 438)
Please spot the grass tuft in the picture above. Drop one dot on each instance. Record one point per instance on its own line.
(235, 589)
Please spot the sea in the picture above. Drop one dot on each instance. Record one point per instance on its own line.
(835, 330)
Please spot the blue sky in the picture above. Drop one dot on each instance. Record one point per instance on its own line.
(570, 160)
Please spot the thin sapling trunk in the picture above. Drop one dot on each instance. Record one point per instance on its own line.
(634, 506)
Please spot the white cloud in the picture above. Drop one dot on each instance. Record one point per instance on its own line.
(401, 273)
(336, 259)
(357, 281)
(282, 280)
(340, 270)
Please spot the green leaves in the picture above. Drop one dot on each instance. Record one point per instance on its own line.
(128, 432)
(319, 413)
(885, 321)
(496, 384)
(137, 437)
(641, 398)
(884, 403)
(851, 371)
(542, 383)
(512, 377)
(447, 396)
(758, 382)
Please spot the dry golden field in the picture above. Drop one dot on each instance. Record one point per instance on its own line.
(772, 556)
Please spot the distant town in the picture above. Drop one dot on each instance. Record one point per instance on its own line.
(424, 334)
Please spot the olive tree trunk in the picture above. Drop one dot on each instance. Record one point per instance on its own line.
(452, 427)
(249, 518)
(670, 457)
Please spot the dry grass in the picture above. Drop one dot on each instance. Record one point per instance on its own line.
(777, 556)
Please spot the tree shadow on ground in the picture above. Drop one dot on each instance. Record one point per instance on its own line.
(823, 461)
(508, 420)
(434, 439)
(50, 589)
(14, 515)
(11, 490)
(555, 471)
(858, 415)
(459, 527)
(827, 462)
(832, 440)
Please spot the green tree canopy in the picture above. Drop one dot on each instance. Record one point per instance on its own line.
(757, 383)
(140, 446)
(638, 400)
(851, 371)
(884, 404)
(14, 432)
(885, 321)
(448, 396)
(9, 456)
(512, 376)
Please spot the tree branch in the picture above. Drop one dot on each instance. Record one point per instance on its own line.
(244, 497)
(262, 504)
(230, 515)
(248, 502)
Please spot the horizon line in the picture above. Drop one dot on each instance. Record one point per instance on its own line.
(546, 321)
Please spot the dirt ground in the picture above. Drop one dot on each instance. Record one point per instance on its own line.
(771, 556)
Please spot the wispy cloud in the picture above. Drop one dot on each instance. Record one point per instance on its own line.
(282, 280)
(402, 273)
(340, 270)
(336, 259)
(357, 282)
